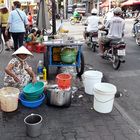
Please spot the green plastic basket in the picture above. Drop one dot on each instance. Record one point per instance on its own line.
(34, 89)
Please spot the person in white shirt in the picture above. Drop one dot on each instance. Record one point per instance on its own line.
(92, 23)
(115, 30)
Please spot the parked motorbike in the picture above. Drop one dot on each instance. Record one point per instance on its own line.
(92, 40)
(114, 51)
(74, 20)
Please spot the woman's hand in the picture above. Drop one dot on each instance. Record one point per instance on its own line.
(34, 80)
(16, 79)
(6, 32)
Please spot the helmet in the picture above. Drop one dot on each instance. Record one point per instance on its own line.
(117, 10)
(94, 11)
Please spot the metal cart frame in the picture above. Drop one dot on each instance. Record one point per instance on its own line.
(48, 60)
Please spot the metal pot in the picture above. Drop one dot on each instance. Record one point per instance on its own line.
(59, 97)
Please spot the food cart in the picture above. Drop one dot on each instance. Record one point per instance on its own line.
(53, 59)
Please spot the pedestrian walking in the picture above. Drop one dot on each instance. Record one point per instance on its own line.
(4, 14)
(17, 23)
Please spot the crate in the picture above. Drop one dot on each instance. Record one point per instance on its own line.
(40, 48)
(56, 54)
(29, 46)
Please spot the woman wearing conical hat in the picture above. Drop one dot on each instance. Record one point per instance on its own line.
(18, 73)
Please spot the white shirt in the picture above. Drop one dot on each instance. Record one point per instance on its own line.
(116, 27)
(93, 22)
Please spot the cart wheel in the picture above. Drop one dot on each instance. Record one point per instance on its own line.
(80, 68)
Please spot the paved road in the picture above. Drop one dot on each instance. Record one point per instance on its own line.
(80, 121)
(126, 78)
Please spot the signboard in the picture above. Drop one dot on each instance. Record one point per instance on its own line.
(1, 1)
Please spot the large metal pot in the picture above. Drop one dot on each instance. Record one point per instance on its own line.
(59, 97)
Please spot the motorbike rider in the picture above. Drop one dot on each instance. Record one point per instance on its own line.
(77, 15)
(115, 30)
(137, 20)
(92, 23)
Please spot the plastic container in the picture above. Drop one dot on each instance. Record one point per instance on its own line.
(31, 97)
(40, 48)
(31, 104)
(34, 89)
(64, 81)
(90, 78)
(40, 69)
(44, 74)
(33, 124)
(9, 99)
(104, 97)
(68, 55)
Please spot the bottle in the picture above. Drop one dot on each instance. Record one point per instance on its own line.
(44, 74)
(40, 70)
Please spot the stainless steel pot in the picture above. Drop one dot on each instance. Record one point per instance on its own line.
(59, 97)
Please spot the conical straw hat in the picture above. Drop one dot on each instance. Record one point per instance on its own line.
(22, 50)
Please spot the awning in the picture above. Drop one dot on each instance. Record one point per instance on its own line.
(130, 2)
(105, 4)
(136, 2)
(127, 3)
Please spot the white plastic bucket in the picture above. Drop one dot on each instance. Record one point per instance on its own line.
(90, 78)
(9, 98)
(104, 97)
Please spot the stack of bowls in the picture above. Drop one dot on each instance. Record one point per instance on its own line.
(32, 95)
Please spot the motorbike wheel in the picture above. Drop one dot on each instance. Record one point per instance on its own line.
(72, 22)
(116, 62)
(138, 41)
(80, 68)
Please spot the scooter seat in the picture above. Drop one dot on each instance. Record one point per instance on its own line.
(116, 42)
(93, 34)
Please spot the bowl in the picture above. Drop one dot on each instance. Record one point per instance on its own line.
(36, 88)
(31, 97)
(31, 104)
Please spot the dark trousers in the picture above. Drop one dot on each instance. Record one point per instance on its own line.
(6, 37)
(18, 40)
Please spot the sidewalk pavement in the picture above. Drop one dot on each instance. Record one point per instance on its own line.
(78, 122)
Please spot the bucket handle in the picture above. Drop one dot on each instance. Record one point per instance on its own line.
(102, 101)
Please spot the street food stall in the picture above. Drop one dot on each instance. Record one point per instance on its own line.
(60, 53)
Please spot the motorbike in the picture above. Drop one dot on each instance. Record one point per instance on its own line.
(74, 20)
(92, 40)
(114, 51)
(136, 27)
